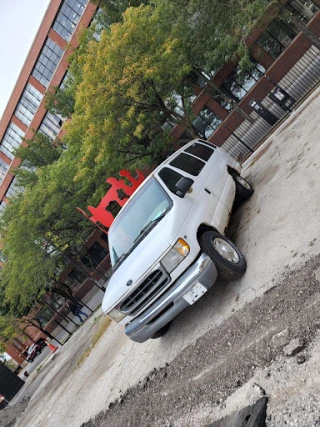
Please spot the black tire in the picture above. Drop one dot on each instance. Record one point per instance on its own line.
(161, 331)
(244, 190)
(212, 244)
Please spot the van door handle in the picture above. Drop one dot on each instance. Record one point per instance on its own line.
(209, 192)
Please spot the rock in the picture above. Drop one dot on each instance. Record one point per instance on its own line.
(293, 347)
(259, 389)
(266, 374)
(267, 357)
(144, 382)
(301, 359)
(281, 339)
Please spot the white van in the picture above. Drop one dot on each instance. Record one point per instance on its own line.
(167, 244)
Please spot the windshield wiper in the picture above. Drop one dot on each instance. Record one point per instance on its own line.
(121, 258)
(149, 226)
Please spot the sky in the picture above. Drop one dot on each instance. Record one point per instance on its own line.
(19, 23)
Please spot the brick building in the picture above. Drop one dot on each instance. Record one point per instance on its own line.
(280, 55)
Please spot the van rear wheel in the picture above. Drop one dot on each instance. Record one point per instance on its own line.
(230, 262)
(244, 190)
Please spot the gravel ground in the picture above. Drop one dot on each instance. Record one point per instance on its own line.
(10, 414)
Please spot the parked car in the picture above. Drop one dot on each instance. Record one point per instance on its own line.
(35, 349)
(167, 244)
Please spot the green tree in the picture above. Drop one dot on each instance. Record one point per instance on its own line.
(61, 100)
(136, 78)
(40, 151)
(8, 331)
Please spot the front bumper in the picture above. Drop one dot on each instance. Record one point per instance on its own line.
(171, 303)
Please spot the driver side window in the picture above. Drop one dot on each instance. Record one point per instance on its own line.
(170, 178)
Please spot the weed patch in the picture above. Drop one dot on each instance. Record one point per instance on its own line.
(103, 323)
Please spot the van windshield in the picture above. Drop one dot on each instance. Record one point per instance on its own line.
(143, 212)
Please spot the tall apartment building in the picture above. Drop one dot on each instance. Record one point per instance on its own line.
(286, 66)
(45, 67)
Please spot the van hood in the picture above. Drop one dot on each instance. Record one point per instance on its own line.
(147, 254)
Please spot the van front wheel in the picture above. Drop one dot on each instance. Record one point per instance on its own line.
(161, 331)
(229, 261)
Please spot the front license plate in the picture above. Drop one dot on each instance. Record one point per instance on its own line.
(195, 293)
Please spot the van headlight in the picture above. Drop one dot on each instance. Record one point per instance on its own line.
(116, 315)
(177, 254)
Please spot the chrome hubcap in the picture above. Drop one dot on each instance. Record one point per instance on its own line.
(243, 182)
(225, 250)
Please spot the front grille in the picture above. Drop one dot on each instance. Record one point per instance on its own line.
(143, 294)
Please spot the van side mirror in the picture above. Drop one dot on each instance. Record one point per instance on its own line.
(183, 185)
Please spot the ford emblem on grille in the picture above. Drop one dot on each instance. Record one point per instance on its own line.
(129, 282)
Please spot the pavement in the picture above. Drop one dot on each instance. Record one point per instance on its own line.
(277, 230)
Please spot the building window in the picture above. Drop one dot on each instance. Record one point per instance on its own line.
(100, 22)
(304, 10)
(45, 315)
(56, 301)
(206, 122)
(176, 102)
(104, 237)
(225, 104)
(75, 278)
(238, 84)
(13, 188)
(47, 62)
(276, 38)
(68, 17)
(11, 140)
(3, 169)
(28, 104)
(51, 125)
(98, 253)
(279, 34)
(183, 140)
(201, 78)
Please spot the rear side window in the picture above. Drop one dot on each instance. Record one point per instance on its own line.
(202, 151)
(187, 163)
(170, 178)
